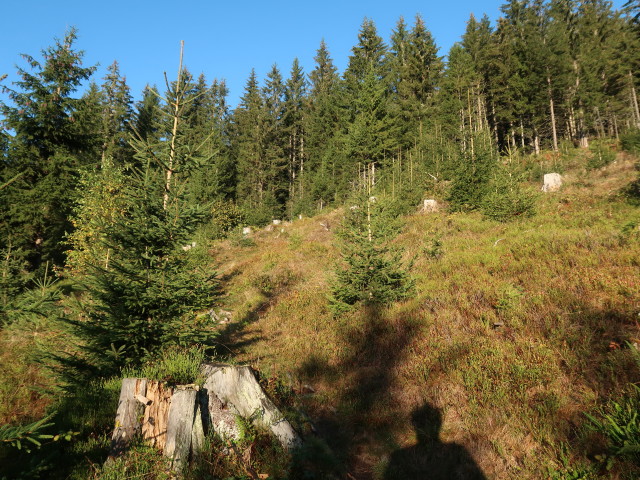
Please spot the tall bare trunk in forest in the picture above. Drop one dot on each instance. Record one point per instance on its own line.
(177, 106)
(553, 113)
(634, 102)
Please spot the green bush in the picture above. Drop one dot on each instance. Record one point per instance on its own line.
(225, 216)
(507, 199)
(630, 142)
(471, 181)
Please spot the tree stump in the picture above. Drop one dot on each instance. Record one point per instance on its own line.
(176, 420)
(128, 414)
(237, 387)
(156, 414)
(180, 426)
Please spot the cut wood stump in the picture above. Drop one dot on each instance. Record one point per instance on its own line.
(179, 427)
(176, 420)
(128, 415)
(237, 387)
(156, 414)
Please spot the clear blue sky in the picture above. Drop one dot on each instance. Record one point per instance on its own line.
(223, 39)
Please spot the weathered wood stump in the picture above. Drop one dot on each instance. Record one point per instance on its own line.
(237, 387)
(128, 414)
(176, 420)
(180, 426)
(156, 414)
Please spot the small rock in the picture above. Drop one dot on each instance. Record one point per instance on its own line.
(246, 231)
(276, 222)
(308, 389)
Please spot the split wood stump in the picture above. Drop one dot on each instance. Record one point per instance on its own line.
(176, 420)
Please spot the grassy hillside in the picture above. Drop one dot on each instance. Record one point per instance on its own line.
(514, 332)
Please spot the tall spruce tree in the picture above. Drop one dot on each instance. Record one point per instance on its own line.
(48, 147)
(145, 297)
(293, 124)
(324, 128)
(249, 150)
(117, 116)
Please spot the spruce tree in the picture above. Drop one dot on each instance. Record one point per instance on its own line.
(324, 132)
(249, 151)
(293, 124)
(145, 297)
(48, 148)
(370, 272)
(117, 117)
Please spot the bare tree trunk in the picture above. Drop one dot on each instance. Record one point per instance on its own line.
(634, 102)
(553, 114)
(174, 131)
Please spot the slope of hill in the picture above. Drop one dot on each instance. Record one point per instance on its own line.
(514, 332)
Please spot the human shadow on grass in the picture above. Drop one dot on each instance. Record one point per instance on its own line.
(431, 459)
(357, 427)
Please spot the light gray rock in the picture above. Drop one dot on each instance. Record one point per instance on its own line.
(552, 182)
(246, 231)
(276, 222)
(237, 388)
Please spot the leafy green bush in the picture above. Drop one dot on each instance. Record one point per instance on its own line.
(225, 216)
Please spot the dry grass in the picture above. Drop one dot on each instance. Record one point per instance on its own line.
(513, 332)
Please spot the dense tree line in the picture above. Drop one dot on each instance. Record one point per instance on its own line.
(399, 117)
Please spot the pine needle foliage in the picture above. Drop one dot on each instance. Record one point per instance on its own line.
(506, 198)
(371, 272)
(143, 299)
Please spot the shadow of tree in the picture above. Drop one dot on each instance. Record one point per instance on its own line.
(358, 430)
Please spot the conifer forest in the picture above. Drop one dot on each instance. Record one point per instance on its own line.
(375, 243)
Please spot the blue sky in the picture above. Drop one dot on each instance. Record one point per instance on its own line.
(222, 39)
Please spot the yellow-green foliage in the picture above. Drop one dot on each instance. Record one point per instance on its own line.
(101, 203)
